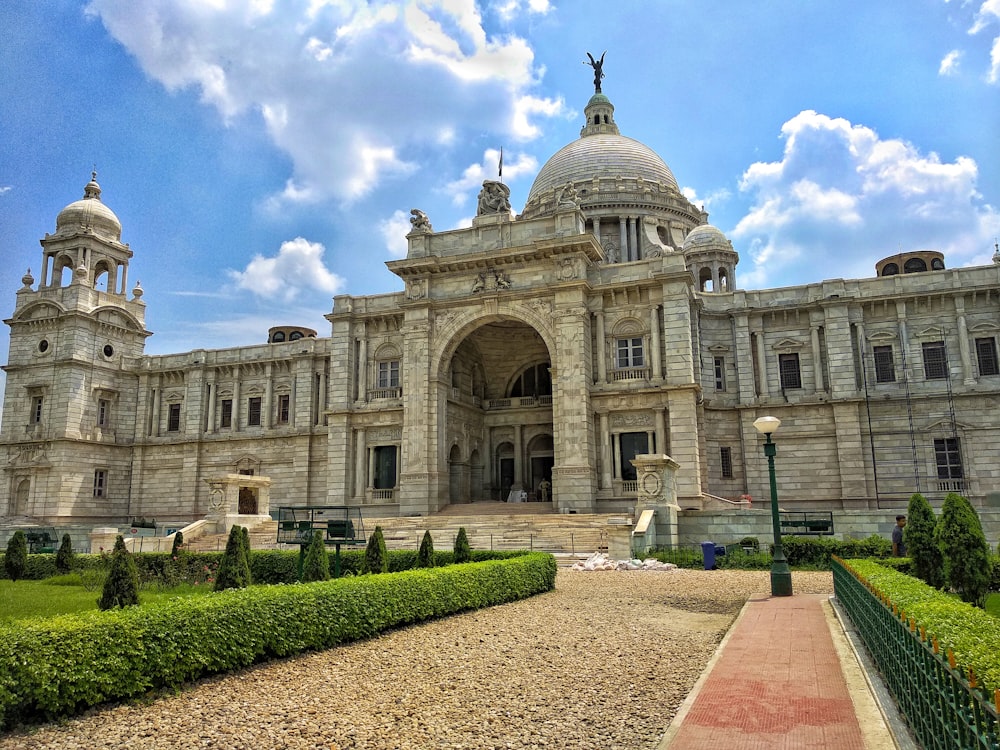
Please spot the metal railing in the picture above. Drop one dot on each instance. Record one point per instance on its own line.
(945, 708)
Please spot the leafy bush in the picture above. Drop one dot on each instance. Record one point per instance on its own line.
(15, 561)
(972, 634)
(425, 557)
(57, 666)
(317, 563)
(64, 556)
(918, 534)
(462, 551)
(234, 569)
(121, 587)
(963, 545)
(175, 548)
(376, 555)
(245, 553)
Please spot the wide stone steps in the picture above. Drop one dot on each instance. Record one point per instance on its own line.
(550, 532)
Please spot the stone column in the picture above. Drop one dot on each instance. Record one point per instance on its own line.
(212, 395)
(963, 342)
(360, 464)
(607, 467)
(762, 361)
(623, 239)
(518, 457)
(657, 480)
(817, 358)
(267, 421)
(654, 355)
(236, 399)
(743, 359)
(904, 339)
(155, 423)
(369, 480)
(597, 230)
(660, 424)
(633, 238)
(363, 369)
(601, 349)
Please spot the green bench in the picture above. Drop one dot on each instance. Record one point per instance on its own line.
(807, 523)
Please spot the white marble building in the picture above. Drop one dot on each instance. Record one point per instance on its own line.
(602, 322)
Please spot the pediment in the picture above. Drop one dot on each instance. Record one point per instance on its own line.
(984, 327)
(718, 349)
(39, 311)
(931, 333)
(788, 344)
(115, 317)
(946, 425)
(882, 336)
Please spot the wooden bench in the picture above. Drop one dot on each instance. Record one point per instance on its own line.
(807, 523)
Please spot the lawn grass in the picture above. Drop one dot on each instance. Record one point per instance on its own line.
(993, 604)
(66, 594)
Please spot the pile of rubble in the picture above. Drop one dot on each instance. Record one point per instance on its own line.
(600, 561)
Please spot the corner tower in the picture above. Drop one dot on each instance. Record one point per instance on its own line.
(70, 401)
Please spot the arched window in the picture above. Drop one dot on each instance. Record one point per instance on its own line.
(294, 336)
(937, 264)
(890, 269)
(278, 337)
(535, 380)
(103, 277)
(914, 265)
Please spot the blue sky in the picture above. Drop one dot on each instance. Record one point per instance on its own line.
(263, 155)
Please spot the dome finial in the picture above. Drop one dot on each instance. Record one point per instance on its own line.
(598, 66)
(92, 189)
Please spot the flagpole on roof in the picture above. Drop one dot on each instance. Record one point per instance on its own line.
(500, 165)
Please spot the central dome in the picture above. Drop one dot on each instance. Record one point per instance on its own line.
(89, 213)
(605, 155)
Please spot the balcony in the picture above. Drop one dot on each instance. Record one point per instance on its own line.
(385, 393)
(519, 402)
(630, 373)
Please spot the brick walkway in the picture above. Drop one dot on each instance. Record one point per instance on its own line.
(785, 679)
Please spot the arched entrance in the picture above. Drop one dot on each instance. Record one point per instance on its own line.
(456, 493)
(21, 498)
(541, 458)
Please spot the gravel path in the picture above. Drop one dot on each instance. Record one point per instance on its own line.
(602, 662)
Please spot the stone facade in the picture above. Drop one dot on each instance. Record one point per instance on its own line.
(602, 323)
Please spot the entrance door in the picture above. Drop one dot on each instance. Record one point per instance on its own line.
(248, 501)
(541, 470)
(506, 476)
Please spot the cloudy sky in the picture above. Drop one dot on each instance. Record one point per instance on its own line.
(263, 155)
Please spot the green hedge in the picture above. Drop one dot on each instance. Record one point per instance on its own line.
(57, 666)
(266, 566)
(972, 634)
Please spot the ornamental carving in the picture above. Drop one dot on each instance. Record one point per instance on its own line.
(386, 433)
(640, 419)
(567, 269)
(417, 289)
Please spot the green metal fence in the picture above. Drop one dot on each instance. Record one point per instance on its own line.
(945, 710)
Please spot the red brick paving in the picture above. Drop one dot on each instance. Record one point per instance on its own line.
(777, 685)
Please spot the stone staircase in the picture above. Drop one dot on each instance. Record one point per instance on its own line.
(497, 526)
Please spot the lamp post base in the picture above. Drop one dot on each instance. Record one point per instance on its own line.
(781, 581)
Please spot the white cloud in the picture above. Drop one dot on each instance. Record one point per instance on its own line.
(841, 198)
(394, 231)
(297, 267)
(709, 200)
(352, 91)
(510, 9)
(949, 63)
(987, 16)
(4, 189)
(472, 178)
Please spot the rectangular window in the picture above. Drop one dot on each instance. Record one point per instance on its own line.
(726, 455)
(788, 370)
(948, 457)
(630, 353)
(253, 411)
(720, 374)
(935, 361)
(174, 418)
(385, 467)
(103, 412)
(986, 353)
(283, 401)
(36, 410)
(226, 417)
(885, 366)
(388, 374)
(100, 483)
(631, 444)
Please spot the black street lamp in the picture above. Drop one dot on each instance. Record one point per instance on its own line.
(781, 574)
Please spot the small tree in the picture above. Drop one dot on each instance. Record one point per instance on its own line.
(966, 554)
(376, 555)
(463, 552)
(64, 555)
(121, 587)
(317, 563)
(425, 556)
(920, 545)
(234, 571)
(245, 545)
(15, 561)
(178, 543)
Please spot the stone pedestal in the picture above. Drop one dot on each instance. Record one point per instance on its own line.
(657, 481)
(238, 499)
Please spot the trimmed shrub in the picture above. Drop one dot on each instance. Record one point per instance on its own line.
(462, 552)
(918, 534)
(234, 569)
(966, 554)
(57, 666)
(178, 544)
(64, 556)
(245, 549)
(121, 587)
(425, 556)
(973, 635)
(376, 555)
(317, 563)
(15, 561)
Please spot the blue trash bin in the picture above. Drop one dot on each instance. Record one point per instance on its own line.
(708, 555)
